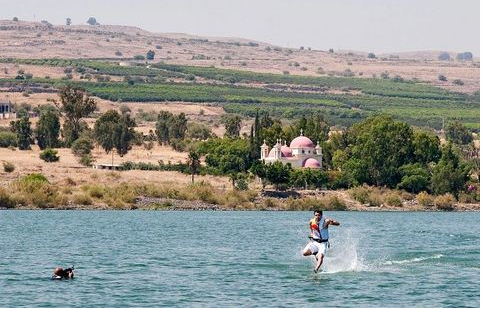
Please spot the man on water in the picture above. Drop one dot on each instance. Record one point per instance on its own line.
(319, 237)
(60, 273)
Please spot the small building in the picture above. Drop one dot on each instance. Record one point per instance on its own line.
(7, 110)
(300, 154)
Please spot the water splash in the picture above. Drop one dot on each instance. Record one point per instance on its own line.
(344, 255)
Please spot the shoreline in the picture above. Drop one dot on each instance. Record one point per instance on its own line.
(164, 204)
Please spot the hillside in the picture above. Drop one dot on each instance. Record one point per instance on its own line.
(39, 40)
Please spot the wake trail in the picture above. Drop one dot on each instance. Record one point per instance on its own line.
(413, 260)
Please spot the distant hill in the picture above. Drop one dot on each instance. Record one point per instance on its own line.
(42, 40)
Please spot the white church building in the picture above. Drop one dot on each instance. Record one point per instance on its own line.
(301, 153)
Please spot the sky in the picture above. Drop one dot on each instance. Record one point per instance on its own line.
(379, 26)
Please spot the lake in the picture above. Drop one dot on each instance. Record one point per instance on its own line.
(238, 259)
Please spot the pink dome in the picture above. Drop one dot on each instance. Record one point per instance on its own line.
(311, 163)
(301, 141)
(286, 151)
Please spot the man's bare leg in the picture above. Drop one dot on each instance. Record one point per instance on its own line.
(319, 260)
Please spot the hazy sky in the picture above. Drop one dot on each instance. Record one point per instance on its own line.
(366, 25)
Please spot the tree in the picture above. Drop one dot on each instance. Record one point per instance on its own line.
(383, 145)
(92, 21)
(464, 56)
(114, 131)
(449, 175)
(178, 126)
(194, 164)
(232, 125)
(416, 178)
(426, 148)
(457, 133)
(15, 19)
(75, 105)
(226, 155)
(278, 174)
(124, 135)
(47, 130)
(198, 131)
(68, 21)
(150, 55)
(24, 133)
(444, 56)
(82, 148)
(371, 56)
(162, 126)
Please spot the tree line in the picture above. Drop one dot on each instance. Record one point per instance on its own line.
(379, 151)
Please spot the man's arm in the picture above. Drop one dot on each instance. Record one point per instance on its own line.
(331, 222)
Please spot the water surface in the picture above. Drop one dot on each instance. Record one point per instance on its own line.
(238, 259)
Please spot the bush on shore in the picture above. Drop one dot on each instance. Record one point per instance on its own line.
(310, 203)
(445, 202)
(34, 189)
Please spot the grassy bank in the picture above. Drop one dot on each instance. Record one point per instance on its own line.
(34, 191)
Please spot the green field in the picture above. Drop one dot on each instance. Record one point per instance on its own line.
(417, 103)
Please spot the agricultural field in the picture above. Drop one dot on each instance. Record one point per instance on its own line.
(342, 100)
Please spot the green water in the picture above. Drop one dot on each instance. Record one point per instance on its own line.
(238, 259)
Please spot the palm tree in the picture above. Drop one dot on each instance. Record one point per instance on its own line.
(194, 164)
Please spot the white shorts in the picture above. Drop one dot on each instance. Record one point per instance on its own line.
(317, 247)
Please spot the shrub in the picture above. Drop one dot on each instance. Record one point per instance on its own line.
(8, 139)
(35, 189)
(82, 199)
(384, 75)
(334, 203)
(118, 53)
(5, 200)
(270, 203)
(86, 160)
(444, 202)
(96, 191)
(139, 57)
(82, 146)
(393, 200)
(371, 56)
(49, 155)
(241, 184)
(458, 82)
(360, 194)
(442, 78)
(305, 203)
(8, 167)
(397, 79)
(203, 191)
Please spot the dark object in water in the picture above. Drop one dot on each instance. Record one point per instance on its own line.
(60, 273)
